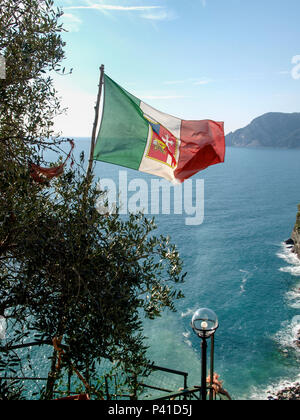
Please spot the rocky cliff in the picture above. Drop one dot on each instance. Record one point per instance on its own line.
(296, 234)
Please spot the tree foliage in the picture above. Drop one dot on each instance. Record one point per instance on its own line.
(67, 272)
(31, 43)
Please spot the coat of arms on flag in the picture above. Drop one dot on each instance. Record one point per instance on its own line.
(162, 145)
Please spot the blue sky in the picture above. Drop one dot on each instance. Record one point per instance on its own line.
(226, 60)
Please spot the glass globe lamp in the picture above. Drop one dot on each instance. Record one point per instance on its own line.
(205, 323)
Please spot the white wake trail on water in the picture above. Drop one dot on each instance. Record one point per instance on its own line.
(187, 334)
(189, 312)
(244, 280)
(186, 340)
(246, 275)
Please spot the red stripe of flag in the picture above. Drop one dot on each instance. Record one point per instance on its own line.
(202, 145)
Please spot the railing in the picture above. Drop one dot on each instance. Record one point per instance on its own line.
(185, 393)
(154, 368)
(111, 389)
(193, 394)
(139, 383)
(188, 394)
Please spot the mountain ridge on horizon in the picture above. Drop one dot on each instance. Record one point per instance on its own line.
(273, 129)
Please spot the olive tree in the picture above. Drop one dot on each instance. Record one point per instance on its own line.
(71, 279)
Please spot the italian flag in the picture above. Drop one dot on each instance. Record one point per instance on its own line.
(137, 136)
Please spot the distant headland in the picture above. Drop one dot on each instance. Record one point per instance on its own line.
(275, 129)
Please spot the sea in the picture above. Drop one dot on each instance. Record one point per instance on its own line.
(237, 265)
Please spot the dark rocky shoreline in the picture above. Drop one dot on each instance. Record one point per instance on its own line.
(294, 241)
(294, 244)
(290, 393)
(295, 248)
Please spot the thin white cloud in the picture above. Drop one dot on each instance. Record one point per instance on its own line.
(202, 82)
(71, 22)
(176, 82)
(151, 13)
(103, 7)
(160, 15)
(195, 82)
(163, 97)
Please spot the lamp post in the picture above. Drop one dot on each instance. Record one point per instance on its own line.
(205, 323)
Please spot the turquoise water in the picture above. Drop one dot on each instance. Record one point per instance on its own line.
(238, 266)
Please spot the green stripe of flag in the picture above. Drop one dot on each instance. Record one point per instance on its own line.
(124, 130)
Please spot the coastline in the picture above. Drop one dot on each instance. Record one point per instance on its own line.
(293, 246)
(296, 234)
(294, 242)
(290, 392)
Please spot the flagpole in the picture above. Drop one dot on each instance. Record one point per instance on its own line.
(97, 109)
